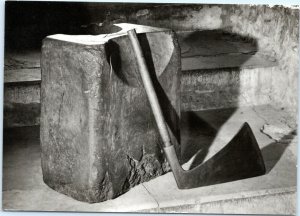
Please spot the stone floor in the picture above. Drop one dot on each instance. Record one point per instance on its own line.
(207, 131)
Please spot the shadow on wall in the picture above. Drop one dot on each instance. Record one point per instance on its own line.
(28, 23)
(216, 86)
(197, 132)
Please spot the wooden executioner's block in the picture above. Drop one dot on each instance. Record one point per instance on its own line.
(98, 134)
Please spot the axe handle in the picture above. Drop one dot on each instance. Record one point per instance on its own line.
(150, 91)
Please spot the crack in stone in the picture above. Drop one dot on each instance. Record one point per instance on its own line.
(60, 107)
(268, 135)
(260, 116)
(158, 207)
(105, 190)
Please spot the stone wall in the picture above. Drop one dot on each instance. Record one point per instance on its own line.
(274, 29)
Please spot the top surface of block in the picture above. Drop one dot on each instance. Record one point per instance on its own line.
(112, 31)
